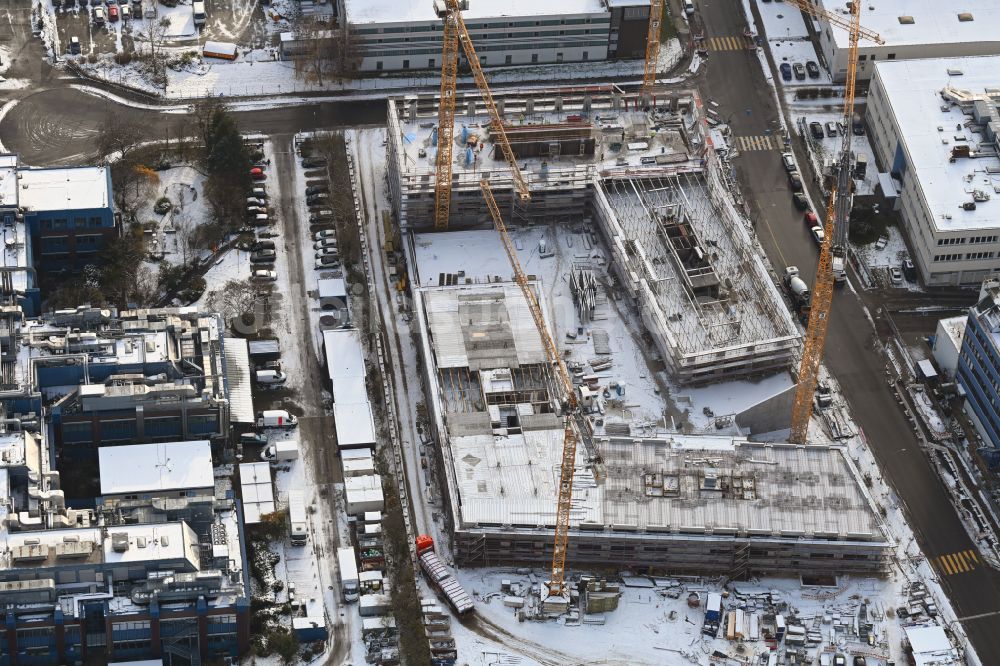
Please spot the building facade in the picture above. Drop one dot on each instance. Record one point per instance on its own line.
(68, 211)
(979, 363)
(933, 126)
(407, 36)
(911, 30)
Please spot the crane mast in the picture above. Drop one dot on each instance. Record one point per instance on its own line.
(835, 229)
(652, 46)
(456, 33)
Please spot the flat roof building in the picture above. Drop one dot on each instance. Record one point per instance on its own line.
(257, 491)
(395, 35)
(159, 469)
(912, 29)
(933, 124)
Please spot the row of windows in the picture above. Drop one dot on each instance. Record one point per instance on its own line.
(496, 35)
(972, 240)
(862, 57)
(969, 256)
(436, 27)
(508, 60)
(63, 223)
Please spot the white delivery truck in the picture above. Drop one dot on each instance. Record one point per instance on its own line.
(348, 573)
(276, 418)
(297, 518)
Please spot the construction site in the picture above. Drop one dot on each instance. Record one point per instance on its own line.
(642, 184)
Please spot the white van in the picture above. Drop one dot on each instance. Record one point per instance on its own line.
(270, 377)
(689, 7)
(259, 192)
(276, 418)
(260, 220)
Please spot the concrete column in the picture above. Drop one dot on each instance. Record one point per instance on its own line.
(529, 106)
(242, 626)
(60, 632)
(203, 627)
(558, 104)
(154, 628)
(11, 627)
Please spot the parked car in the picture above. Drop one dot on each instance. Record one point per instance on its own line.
(317, 199)
(256, 210)
(258, 174)
(800, 71)
(322, 215)
(262, 245)
(795, 181)
(99, 17)
(74, 46)
(263, 257)
(254, 201)
(800, 201)
(260, 220)
(267, 234)
(816, 129)
(786, 71)
(789, 161)
(325, 242)
(316, 189)
(264, 276)
(328, 263)
(812, 69)
(113, 13)
(810, 219)
(126, 12)
(689, 7)
(253, 439)
(895, 276)
(817, 234)
(909, 270)
(831, 128)
(325, 233)
(259, 193)
(327, 252)
(313, 162)
(270, 377)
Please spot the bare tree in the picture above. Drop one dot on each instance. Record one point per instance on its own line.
(154, 36)
(236, 300)
(324, 53)
(118, 136)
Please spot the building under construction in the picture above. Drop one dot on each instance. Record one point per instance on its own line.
(642, 498)
(644, 181)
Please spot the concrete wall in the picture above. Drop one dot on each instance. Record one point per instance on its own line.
(769, 415)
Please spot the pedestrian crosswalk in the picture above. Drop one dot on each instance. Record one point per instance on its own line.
(746, 143)
(729, 43)
(956, 563)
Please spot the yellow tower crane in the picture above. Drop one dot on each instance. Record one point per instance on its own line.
(652, 46)
(455, 32)
(835, 228)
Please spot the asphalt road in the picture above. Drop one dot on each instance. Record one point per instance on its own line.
(734, 80)
(59, 125)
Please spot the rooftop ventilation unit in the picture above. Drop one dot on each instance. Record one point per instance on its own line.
(906, 20)
(119, 542)
(966, 16)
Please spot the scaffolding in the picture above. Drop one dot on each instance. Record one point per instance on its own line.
(703, 292)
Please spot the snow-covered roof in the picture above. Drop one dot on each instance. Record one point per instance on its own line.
(331, 288)
(954, 327)
(930, 645)
(411, 11)
(929, 128)
(256, 491)
(148, 543)
(933, 21)
(345, 363)
(67, 188)
(354, 424)
(660, 485)
(159, 467)
(482, 326)
(8, 180)
(238, 378)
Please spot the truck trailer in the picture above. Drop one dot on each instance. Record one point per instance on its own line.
(441, 577)
(297, 519)
(348, 567)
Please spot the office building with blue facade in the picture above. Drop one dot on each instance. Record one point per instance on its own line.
(152, 563)
(68, 212)
(18, 279)
(979, 363)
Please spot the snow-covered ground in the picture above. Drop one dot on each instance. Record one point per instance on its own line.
(170, 241)
(650, 627)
